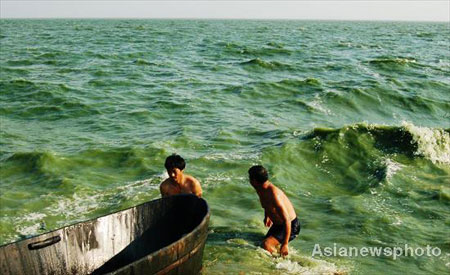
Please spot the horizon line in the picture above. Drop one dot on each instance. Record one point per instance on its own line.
(227, 18)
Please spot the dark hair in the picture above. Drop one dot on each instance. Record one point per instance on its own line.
(258, 173)
(175, 161)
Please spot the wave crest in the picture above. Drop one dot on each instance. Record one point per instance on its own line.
(433, 144)
(430, 143)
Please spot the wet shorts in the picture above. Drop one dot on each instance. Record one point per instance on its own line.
(277, 231)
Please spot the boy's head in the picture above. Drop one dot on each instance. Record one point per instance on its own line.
(174, 164)
(258, 175)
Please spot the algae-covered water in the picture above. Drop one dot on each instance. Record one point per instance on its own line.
(352, 119)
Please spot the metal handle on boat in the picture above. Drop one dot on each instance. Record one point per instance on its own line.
(44, 243)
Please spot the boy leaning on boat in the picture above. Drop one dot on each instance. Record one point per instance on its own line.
(279, 214)
(178, 182)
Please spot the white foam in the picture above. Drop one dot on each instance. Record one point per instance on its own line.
(392, 167)
(25, 228)
(131, 189)
(240, 242)
(404, 60)
(80, 206)
(72, 209)
(433, 144)
(295, 263)
(314, 267)
(34, 217)
(316, 103)
(29, 230)
(221, 177)
(397, 221)
(290, 267)
(231, 156)
(325, 158)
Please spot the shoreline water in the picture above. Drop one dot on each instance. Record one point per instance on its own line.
(350, 122)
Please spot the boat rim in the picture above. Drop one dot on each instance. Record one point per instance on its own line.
(121, 210)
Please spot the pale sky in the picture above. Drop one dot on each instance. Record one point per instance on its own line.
(397, 10)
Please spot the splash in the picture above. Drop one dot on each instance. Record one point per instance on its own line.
(393, 61)
(28, 231)
(322, 267)
(297, 264)
(392, 168)
(317, 104)
(82, 206)
(433, 144)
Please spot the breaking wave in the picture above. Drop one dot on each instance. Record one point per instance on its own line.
(360, 157)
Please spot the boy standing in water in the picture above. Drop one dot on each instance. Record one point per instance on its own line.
(178, 182)
(278, 212)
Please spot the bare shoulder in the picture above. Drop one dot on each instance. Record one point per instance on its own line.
(194, 185)
(165, 182)
(278, 194)
(164, 185)
(275, 191)
(192, 181)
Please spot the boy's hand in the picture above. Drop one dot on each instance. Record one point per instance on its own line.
(267, 222)
(284, 251)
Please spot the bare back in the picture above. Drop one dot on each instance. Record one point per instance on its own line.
(276, 205)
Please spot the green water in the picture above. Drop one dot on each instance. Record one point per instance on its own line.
(352, 120)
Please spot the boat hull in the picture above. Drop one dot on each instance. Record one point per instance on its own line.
(158, 237)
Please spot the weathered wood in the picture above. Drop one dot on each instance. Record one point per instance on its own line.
(162, 236)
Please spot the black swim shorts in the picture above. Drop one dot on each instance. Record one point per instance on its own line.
(278, 231)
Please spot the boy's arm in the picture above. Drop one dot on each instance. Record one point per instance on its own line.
(287, 223)
(196, 188)
(267, 221)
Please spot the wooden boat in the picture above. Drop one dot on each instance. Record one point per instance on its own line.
(164, 236)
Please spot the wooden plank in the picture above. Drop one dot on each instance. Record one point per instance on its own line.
(4, 268)
(52, 258)
(188, 264)
(29, 262)
(13, 260)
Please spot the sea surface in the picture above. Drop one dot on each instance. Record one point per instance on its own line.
(352, 120)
